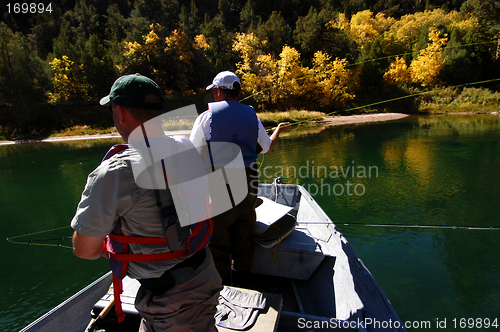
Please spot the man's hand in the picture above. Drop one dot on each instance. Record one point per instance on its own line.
(283, 126)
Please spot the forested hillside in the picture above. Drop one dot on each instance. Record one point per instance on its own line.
(305, 54)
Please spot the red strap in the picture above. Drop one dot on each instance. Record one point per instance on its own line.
(138, 239)
(117, 290)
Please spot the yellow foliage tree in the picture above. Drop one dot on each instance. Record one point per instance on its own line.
(332, 80)
(249, 46)
(200, 42)
(68, 82)
(182, 48)
(149, 52)
(425, 69)
(289, 75)
(172, 56)
(284, 81)
(363, 26)
(256, 70)
(407, 29)
(398, 72)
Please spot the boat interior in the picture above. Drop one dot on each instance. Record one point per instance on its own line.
(320, 282)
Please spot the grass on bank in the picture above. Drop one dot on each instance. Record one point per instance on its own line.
(450, 100)
(269, 119)
(83, 130)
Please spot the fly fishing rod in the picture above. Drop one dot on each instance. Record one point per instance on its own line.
(41, 242)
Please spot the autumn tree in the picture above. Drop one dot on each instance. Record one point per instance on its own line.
(334, 86)
(68, 81)
(398, 72)
(284, 83)
(148, 57)
(426, 67)
(180, 51)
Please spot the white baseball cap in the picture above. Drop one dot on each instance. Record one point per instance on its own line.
(225, 80)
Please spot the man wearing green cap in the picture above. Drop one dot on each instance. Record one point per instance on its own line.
(118, 219)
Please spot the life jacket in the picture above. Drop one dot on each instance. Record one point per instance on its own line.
(196, 236)
(237, 123)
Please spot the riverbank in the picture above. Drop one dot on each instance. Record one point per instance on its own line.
(329, 120)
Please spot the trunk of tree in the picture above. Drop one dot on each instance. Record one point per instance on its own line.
(498, 47)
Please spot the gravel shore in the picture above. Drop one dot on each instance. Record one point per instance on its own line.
(332, 120)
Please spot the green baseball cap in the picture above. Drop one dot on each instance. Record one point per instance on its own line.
(131, 91)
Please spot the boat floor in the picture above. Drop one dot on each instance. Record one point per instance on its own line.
(273, 285)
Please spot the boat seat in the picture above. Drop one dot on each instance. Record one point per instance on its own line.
(298, 255)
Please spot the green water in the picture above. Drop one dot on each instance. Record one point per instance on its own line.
(417, 171)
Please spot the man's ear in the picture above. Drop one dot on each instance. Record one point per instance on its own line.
(122, 114)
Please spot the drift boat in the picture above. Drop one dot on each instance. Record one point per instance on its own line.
(312, 278)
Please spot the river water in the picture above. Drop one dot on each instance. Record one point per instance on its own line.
(401, 175)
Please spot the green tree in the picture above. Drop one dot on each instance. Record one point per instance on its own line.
(189, 22)
(116, 25)
(23, 76)
(313, 33)
(64, 44)
(164, 12)
(220, 52)
(229, 13)
(249, 18)
(488, 12)
(85, 20)
(276, 32)
(44, 29)
(98, 67)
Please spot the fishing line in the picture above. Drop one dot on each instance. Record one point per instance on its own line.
(389, 100)
(35, 241)
(474, 228)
